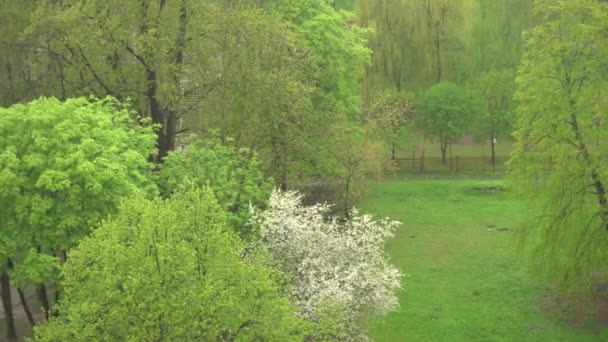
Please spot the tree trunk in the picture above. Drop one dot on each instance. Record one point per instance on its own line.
(26, 307)
(600, 189)
(444, 149)
(438, 52)
(23, 300)
(7, 304)
(44, 300)
(393, 151)
(157, 114)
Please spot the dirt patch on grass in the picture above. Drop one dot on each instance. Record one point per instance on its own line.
(576, 311)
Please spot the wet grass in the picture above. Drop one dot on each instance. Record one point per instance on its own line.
(464, 280)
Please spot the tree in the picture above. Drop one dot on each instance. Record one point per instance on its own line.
(496, 41)
(64, 166)
(139, 53)
(389, 113)
(445, 114)
(170, 270)
(343, 264)
(359, 153)
(234, 174)
(560, 157)
(416, 43)
(496, 91)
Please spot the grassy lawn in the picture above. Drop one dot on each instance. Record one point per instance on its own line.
(464, 281)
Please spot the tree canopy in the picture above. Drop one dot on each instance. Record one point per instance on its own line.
(169, 270)
(64, 166)
(446, 113)
(560, 153)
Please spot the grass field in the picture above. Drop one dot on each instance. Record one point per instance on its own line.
(464, 281)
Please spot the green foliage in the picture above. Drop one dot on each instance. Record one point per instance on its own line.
(170, 270)
(416, 43)
(445, 113)
(234, 174)
(495, 89)
(560, 156)
(64, 167)
(337, 54)
(495, 39)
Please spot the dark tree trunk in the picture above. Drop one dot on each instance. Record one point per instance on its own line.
(26, 307)
(7, 304)
(157, 114)
(393, 151)
(444, 149)
(23, 300)
(44, 299)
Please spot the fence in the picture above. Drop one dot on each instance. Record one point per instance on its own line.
(452, 164)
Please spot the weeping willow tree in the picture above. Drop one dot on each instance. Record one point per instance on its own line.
(495, 41)
(560, 156)
(416, 43)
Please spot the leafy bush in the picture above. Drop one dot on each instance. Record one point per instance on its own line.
(233, 173)
(170, 270)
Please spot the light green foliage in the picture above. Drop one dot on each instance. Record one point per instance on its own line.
(64, 167)
(560, 156)
(234, 175)
(170, 270)
(445, 113)
(336, 53)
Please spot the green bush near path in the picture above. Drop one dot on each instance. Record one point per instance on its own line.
(464, 280)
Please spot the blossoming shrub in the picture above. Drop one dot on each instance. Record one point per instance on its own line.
(331, 263)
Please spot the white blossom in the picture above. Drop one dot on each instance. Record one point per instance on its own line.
(328, 260)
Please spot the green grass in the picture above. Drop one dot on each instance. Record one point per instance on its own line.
(464, 282)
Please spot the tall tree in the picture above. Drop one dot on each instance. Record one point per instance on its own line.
(495, 41)
(560, 157)
(139, 52)
(416, 43)
(495, 89)
(64, 167)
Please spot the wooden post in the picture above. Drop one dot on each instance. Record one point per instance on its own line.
(422, 162)
(451, 168)
(457, 163)
(483, 156)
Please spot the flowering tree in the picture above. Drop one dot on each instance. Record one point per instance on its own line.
(331, 262)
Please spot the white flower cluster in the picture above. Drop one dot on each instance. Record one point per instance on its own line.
(329, 260)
